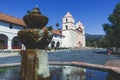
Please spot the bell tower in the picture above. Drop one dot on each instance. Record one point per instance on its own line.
(68, 22)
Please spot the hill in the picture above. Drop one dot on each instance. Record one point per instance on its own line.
(93, 37)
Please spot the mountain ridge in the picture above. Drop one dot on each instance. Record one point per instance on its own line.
(93, 36)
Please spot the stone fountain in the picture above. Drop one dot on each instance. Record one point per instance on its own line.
(34, 62)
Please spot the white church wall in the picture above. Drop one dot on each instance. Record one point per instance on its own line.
(65, 40)
(69, 40)
(83, 41)
(73, 38)
(80, 40)
(56, 38)
(68, 26)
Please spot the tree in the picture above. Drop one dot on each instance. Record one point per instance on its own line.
(50, 28)
(28, 12)
(103, 43)
(112, 29)
(57, 26)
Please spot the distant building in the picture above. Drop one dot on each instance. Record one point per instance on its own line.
(72, 35)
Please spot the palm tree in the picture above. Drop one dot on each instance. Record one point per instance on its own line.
(57, 25)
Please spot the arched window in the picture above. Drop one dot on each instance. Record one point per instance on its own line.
(3, 41)
(52, 44)
(66, 27)
(16, 44)
(79, 43)
(66, 20)
(58, 44)
(10, 26)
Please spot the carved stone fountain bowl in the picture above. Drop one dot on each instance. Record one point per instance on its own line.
(35, 20)
(35, 38)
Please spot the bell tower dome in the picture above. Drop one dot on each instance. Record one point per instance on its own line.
(68, 22)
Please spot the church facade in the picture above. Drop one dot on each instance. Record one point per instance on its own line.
(74, 33)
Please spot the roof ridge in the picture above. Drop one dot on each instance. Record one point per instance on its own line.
(10, 16)
(11, 19)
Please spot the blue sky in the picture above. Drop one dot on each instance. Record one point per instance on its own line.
(92, 13)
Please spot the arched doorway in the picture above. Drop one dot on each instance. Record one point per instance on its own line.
(3, 41)
(79, 43)
(52, 44)
(16, 44)
(57, 44)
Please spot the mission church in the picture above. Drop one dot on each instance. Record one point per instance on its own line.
(72, 35)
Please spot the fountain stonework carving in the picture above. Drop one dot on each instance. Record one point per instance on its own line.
(34, 62)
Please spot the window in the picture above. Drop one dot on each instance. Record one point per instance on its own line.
(60, 36)
(58, 44)
(66, 27)
(10, 26)
(52, 44)
(66, 20)
(60, 32)
(55, 35)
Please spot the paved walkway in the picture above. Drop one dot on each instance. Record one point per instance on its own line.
(88, 56)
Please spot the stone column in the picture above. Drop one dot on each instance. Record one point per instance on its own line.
(34, 65)
(9, 44)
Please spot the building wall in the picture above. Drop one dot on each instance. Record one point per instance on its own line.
(68, 25)
(69, 39)
(80, 40)
(9, 33)
(56, 39)
(83, 41)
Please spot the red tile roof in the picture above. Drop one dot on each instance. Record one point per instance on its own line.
(11, 19)
(58, 32)
(17, 21)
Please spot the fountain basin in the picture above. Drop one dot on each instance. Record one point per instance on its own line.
(63, 72)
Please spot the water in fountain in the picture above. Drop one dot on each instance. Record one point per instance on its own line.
(61, 73)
